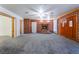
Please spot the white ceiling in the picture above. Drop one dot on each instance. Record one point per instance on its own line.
(32, 10)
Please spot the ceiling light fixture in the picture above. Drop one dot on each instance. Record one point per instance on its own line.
(40, 10)
(40, 13)
(43, 15)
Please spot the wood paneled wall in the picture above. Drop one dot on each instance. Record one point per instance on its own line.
(50, 25)
(68, 25)
(78, 27)
(28, 25)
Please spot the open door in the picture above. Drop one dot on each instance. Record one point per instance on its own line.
(34, 27)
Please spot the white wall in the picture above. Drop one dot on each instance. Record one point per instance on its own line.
(15, 27)
(55, 25)
(34, 27)
(22, 26)
(5, 26)
(18, 27)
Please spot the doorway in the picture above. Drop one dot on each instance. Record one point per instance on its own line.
(34, 27)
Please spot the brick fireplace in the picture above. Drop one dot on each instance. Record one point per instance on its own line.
(45, 27)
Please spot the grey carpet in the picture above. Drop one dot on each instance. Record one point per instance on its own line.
(38, 44)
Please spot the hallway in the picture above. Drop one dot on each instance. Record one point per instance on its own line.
(38, 44)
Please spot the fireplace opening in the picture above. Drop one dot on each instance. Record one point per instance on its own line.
(44, 27)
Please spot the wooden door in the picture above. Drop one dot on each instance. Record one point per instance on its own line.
(71, 26)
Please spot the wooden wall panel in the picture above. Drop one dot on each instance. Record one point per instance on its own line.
(71, 30)
(78, 28)
(67, 30)
(50, 25)
(27, 26)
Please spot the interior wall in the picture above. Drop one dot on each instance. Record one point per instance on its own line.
(22, 26)
(50, 25)
(55, 25)
(5, 26)
(78, 28)
(15, 27)
(18, 27)
(34, 27)
(8, 12)
(10, 27)
(68, 25)
(27, 26)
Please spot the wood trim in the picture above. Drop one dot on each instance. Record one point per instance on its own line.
(20, 26)
(77, 28)
(13, 27)
(76, 25)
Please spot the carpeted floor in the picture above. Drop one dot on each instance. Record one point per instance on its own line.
(38, 44)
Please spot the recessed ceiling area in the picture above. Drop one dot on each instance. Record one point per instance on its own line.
(37, 11)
